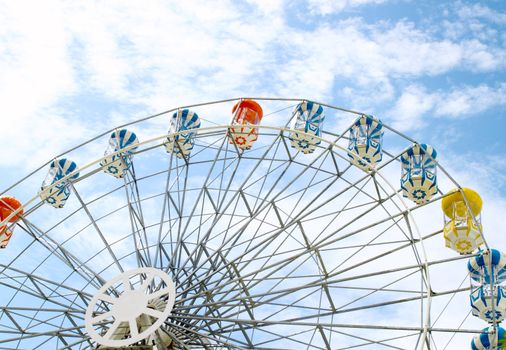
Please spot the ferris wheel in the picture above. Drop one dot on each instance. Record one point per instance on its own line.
(258, 223)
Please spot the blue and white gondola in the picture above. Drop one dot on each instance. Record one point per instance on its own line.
(116, 163)
(419, 178)
(488, 296)
(478, 267)
(184, 122)
(365, 143)
(308, 118)
(57, 195)
(489, 339)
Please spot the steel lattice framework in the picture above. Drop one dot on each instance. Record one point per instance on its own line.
(267, 248)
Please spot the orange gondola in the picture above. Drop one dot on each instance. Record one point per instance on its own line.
(247, 114)
(8, 205)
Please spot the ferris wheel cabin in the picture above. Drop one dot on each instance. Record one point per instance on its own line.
(462, 230)
(488, 296)
(8, 205)
(55, 190)
(418, 178)
(491, 338)
(117, 160)
(185, 123)
(365, 143)
(308, 118)
(247, 114)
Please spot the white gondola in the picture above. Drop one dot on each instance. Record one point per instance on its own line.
(365, 142)
(307, 122)
(57, 195)
(116, 163)
(184, 122)
(418, 178)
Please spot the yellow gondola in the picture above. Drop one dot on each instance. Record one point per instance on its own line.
(462, 230)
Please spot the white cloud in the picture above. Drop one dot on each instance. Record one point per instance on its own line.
(326, 7)
(471, 100)
(36, 72)
(416, 103)
(408, 50)
(480, 57)
(411, 106)
(479, 30)
(481, 11)
(271, 7)
(193, 50)
(365, 59)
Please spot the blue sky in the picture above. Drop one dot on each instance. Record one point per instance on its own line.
(434, 70)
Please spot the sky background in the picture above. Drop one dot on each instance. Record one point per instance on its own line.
(434, 70)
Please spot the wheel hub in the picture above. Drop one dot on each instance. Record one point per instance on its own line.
(121, 324)
(130, 305)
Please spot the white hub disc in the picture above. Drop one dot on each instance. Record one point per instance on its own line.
(115, 309)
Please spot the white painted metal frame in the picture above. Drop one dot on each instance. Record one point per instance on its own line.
(247, 271)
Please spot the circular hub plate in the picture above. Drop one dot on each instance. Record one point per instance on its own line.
(115, 310)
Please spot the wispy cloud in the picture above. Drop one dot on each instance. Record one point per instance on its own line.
(416, 104)
(481, 11)
(326, 7)
(471, 100)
